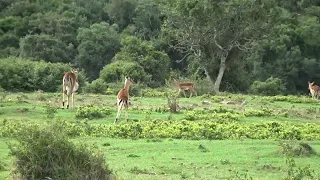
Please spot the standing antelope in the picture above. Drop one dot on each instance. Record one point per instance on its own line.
(69, 86)
(123, 97)
(314, 90)
(184, 86)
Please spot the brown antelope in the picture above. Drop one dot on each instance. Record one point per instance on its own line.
(184, 86)
(123, 98)
(314, 90)
(69, 86)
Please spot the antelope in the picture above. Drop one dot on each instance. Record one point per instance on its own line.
(183, 86)
(314, 90)
(123, 97)
(69, 86)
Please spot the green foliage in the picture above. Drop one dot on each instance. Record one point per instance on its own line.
(147, 19)
(29, 75)
(121, 12)
(296, 173)
(155, 63)
(45, 47)
(292, 99)
(191, 37)
(9, 23)
(116, 71)
(220, 115)
(272, 86)
(45, 152)
(293, 148)
(258, 113)
(92, 112)
(148, 92)
(225, 128)
(97, 45)
(59, 26)
(173, 102)
(50, 111)
(98, 86)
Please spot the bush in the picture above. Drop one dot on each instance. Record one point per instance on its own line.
(135, 90)
(17, 74)
(272, 86)
(45, 152)
(96, 86)
(115, 72)
(292, 148)
(92, 112)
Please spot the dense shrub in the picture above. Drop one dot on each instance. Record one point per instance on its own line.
(92, 112)
(18, 74)
(116, 71)
(272, 86)
(96, 86)
(45, 152)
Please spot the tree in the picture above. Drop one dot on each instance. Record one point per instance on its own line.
(147, 19)
(97, 45)
(51, 23)
(121, 12)
(291, 52)
(218, 32)
(154, 62)
(45, 47)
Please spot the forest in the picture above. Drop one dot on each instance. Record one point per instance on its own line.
(243, 46)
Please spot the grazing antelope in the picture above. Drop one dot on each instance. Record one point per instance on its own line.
(184, 86)
(69, 86)
(123, 97)
(314, 90)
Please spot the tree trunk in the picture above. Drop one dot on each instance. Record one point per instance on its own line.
(220, 75)
(207, 74)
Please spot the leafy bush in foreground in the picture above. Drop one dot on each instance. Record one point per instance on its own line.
(45, 152)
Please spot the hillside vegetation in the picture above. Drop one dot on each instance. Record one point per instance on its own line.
(227, 45)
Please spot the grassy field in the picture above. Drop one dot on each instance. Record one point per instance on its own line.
(166, 158)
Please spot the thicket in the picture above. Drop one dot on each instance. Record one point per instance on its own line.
(19, 74)
(44, 152)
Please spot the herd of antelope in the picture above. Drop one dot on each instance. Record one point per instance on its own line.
(70, 86)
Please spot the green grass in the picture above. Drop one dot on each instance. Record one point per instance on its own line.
(171, 158)
(177, 159)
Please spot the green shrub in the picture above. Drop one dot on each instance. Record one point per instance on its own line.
(272, 86)
(92, 112)
(96, 86)
(45, 152)
(115, 72)
(19, 74)
(222, 127)
(50, 111)
(135, 90)
(295, 172)
(292, 148)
